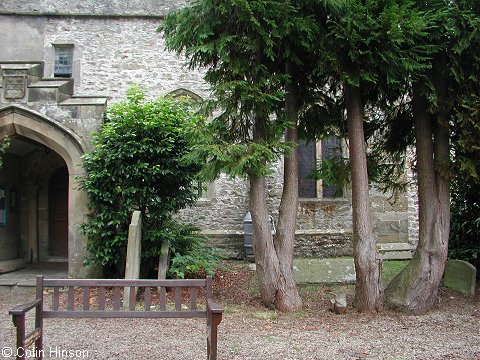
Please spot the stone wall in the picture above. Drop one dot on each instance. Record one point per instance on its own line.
(115, 45)
(111, 54)
(130, 8)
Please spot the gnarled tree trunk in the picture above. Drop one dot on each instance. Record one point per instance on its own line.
(288, 298)
(368, 263)
(415, 289)
(266, 260)
(274, 255)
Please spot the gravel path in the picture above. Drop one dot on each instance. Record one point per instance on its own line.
(452, 331)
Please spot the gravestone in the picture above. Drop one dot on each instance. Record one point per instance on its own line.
(460, 276)
(134, 246)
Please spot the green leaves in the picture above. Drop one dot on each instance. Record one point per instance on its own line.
(138, 164)
(244, 47)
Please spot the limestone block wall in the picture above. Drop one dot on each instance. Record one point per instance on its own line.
(112, 53)
(91, 7)
(115, 45)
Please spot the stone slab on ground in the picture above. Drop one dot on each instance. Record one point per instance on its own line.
(329, 270)
(460, 276)
(394, 247)
(396, 251)
(12, 265)
(24, 279)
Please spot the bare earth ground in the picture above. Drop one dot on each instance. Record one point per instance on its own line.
(250, 331)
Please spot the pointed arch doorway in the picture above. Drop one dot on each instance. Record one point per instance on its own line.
(33, 207)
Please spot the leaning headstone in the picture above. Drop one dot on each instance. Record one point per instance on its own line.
(134, 247)
(163, 259)
(460, 276)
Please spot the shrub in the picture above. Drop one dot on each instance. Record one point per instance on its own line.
(137, 164)
(190, 253)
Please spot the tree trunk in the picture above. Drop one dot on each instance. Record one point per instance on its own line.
(288, 298)
(415, 289)
(266, 260)
(368, 263)
(274, 257)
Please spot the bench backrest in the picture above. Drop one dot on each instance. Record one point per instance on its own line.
(103, 298)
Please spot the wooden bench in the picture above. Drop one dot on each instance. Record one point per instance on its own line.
(156, 304)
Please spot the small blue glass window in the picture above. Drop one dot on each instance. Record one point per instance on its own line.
(63, 61)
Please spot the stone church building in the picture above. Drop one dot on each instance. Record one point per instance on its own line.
(61, 63)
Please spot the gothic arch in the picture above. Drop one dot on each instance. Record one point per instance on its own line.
(17, 120)
(184, 93)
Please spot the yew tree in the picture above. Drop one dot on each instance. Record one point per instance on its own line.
(445, 113)
(253, 53)
(368, 50)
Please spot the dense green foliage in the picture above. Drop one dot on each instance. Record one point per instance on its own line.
(465, 223)
(258, 53)
(138, 164)
(244, 48)
(190, 253)
(465, 86)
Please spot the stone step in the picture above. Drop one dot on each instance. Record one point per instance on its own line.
(396, 251)
(397, 255)
(384, 247)
(12, 265)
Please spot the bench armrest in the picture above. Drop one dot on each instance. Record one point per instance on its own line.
(22, 309)
(213, 307)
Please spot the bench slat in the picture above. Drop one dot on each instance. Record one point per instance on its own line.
(163, 298)
(178, 298)
(71, 298)
(101, 298)
(148, 298)
(124, 282)
(56, 298)
(124, 314)
(116, 298)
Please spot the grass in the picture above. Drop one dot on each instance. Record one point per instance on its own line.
(310, 293)
(265, 315)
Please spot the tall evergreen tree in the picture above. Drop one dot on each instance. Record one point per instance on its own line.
(440, 97)
(250, 50)
(368, 51)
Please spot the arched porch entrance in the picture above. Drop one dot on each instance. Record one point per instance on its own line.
(41, 172)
